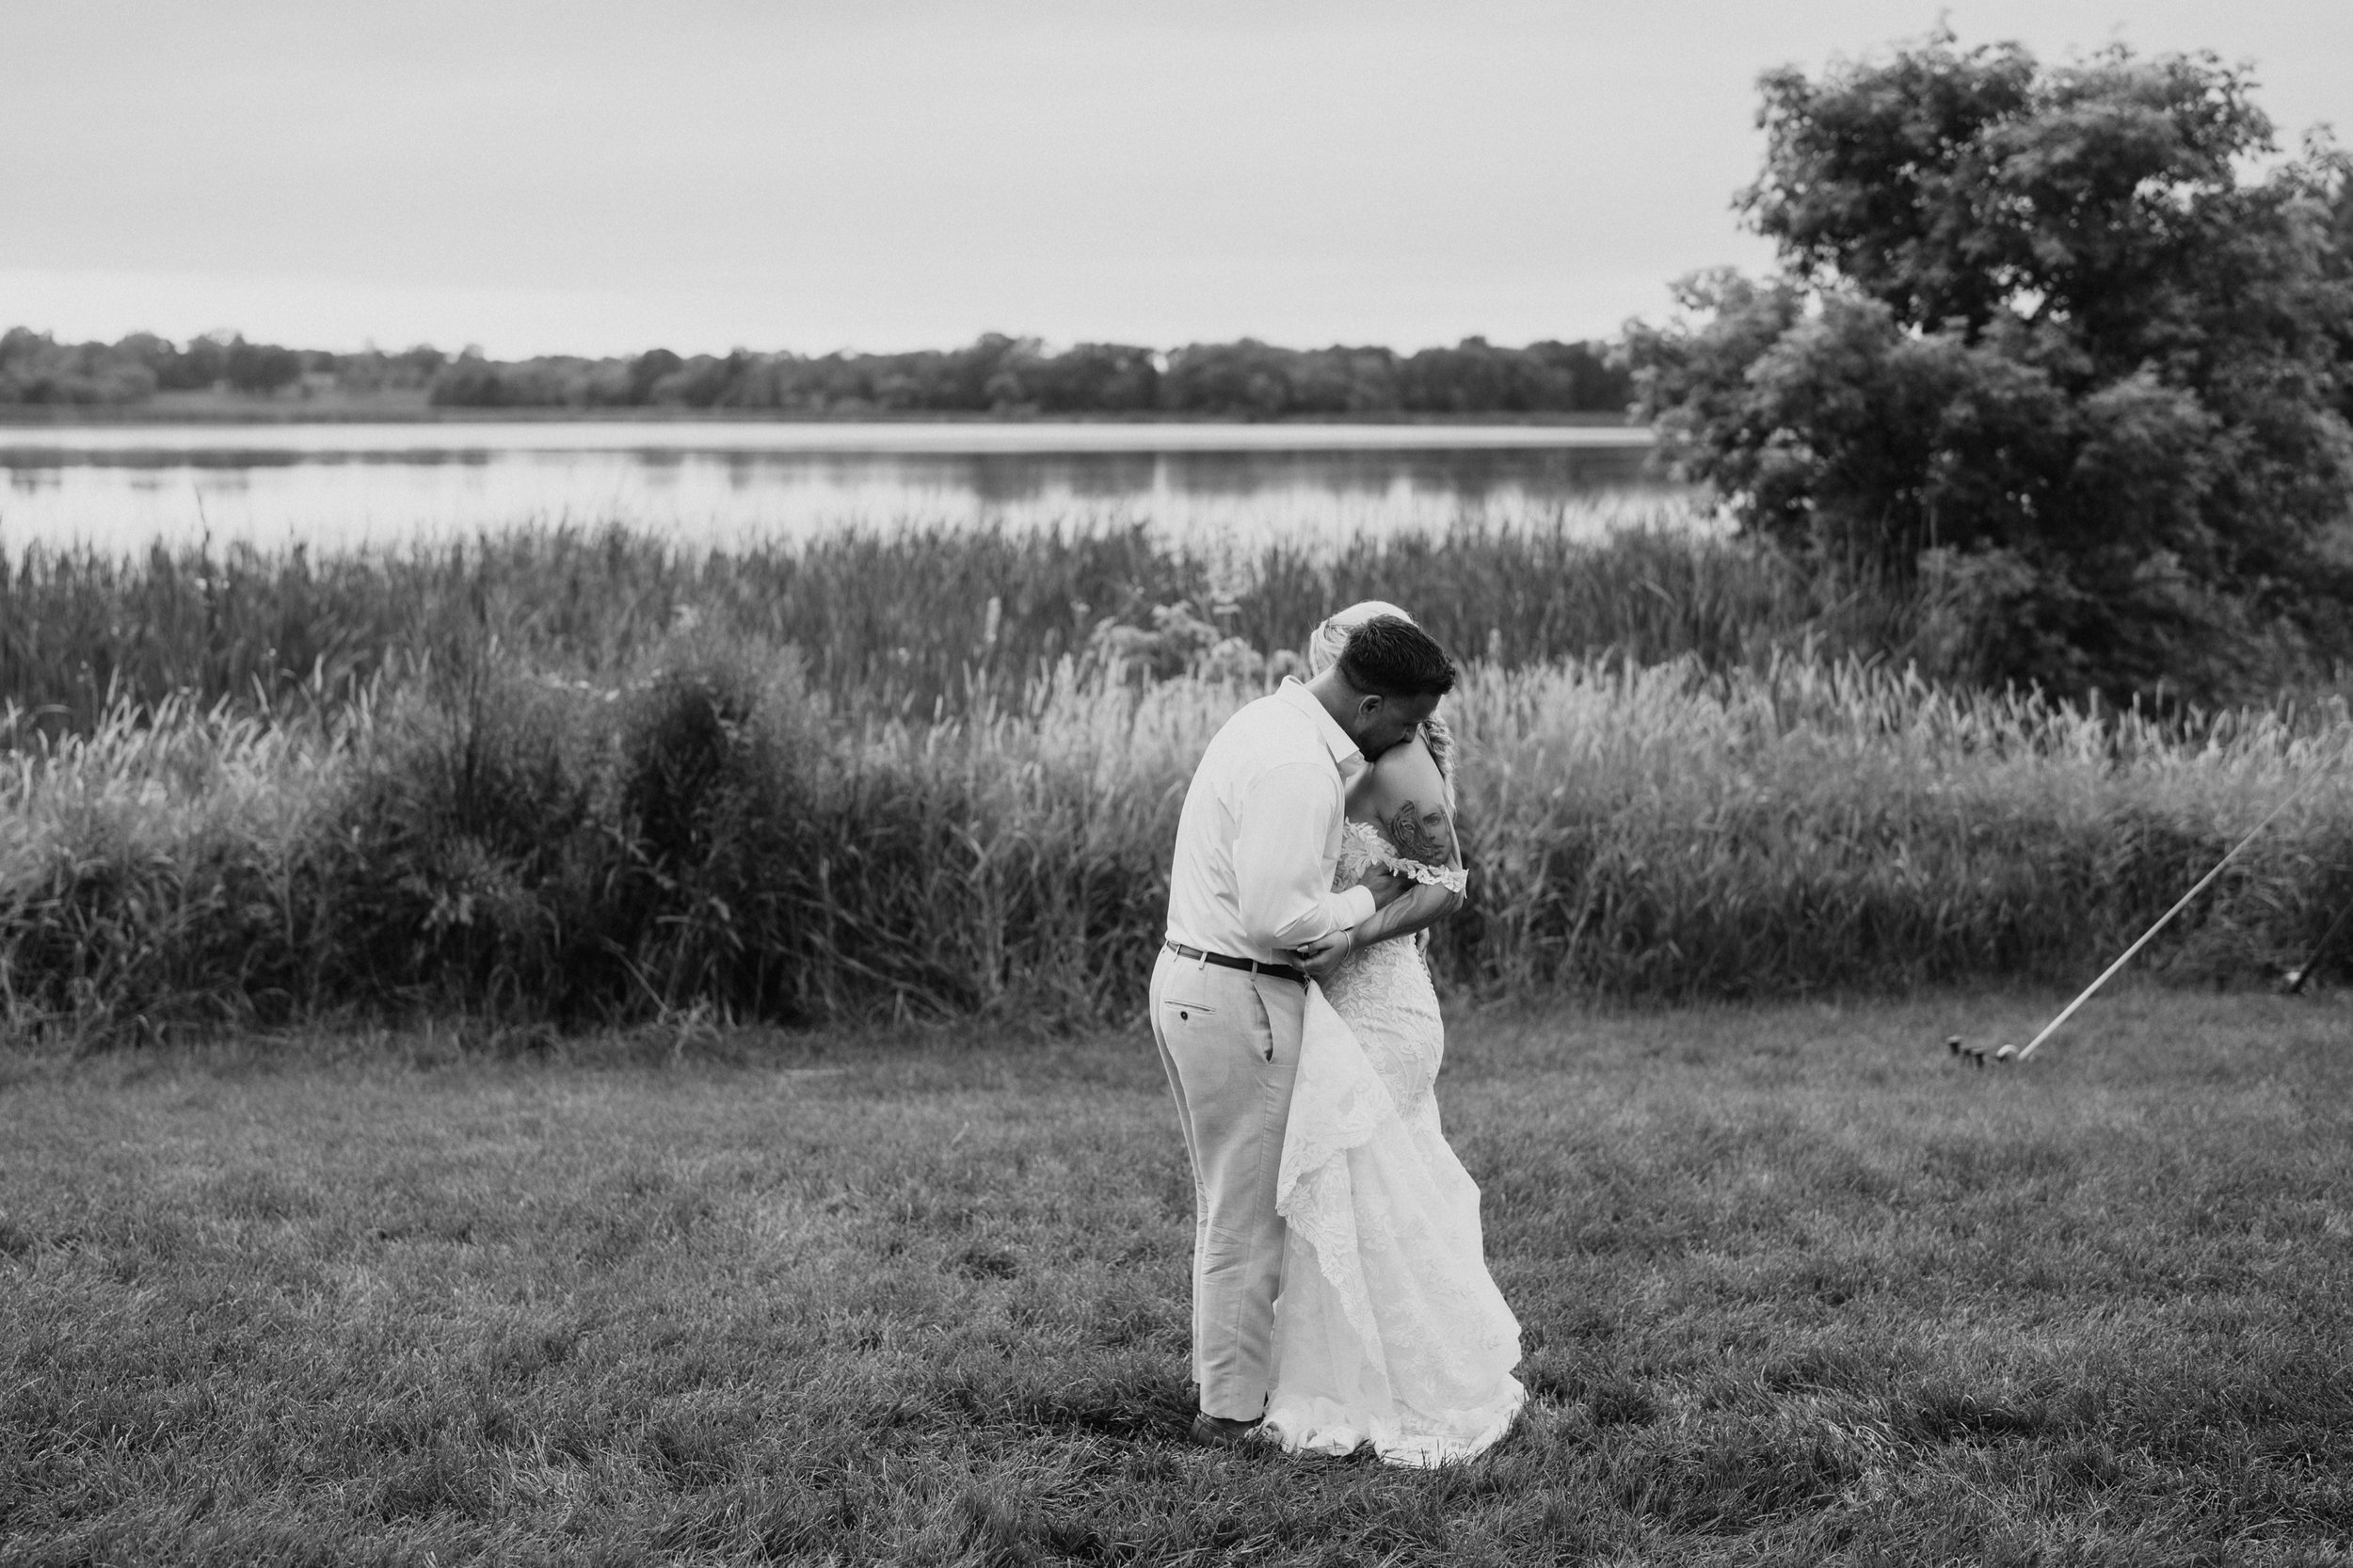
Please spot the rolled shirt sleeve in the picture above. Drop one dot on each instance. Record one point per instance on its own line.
(1286, 900)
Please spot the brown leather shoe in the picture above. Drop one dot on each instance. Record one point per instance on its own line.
(1218, 1432)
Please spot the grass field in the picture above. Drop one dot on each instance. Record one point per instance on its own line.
(1795, 1287)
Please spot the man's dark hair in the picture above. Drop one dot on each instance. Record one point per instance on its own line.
(1396, 659)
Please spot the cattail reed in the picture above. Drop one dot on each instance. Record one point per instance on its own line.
(910, 622)
(692, 822)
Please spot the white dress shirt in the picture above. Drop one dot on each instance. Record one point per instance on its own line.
(1261, 833)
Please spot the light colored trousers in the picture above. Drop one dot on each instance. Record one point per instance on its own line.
(1229, 1040)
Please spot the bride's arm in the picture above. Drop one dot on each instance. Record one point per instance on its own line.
(1405, 797)
(1425, 904)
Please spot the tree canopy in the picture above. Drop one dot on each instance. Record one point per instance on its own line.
(2062, 355)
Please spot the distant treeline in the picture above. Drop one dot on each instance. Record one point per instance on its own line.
(995, 374)
(1003, 375)
(36, 368)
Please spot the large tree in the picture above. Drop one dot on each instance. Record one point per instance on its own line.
(2059, 356)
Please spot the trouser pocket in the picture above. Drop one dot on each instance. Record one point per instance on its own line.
(1260, 1026)
(1247, 1018)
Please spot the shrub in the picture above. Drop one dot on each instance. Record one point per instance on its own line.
(467, 865)
(717, 800)
(2045, 359)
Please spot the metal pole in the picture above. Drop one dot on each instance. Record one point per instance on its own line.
(2181, 903)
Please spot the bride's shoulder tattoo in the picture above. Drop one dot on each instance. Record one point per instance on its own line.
(1415, 834)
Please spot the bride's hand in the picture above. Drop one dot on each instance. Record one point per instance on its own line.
(1322, 956)
(1386, 886)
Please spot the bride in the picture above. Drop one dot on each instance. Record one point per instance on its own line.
(1388, 1330)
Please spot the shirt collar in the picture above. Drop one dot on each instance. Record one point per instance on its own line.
(1345, 755)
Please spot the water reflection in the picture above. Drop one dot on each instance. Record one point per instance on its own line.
(335, 487)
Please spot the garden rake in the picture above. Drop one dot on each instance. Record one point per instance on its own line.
(2012, 1053)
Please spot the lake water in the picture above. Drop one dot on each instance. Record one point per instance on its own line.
(337, 485)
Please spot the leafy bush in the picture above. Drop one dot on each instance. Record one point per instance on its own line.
(717, 761)
(467, 863)
(2044, 363)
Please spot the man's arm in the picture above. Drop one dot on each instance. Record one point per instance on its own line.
(1285, 891)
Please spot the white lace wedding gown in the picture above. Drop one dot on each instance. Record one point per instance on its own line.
(1388, 1329)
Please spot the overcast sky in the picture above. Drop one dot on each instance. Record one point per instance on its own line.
(544, 175)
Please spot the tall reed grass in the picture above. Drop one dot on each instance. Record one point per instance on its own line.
(696, 827)
(1822, 824)
(913, 622)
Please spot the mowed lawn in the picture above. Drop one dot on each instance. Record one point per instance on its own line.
(1795, 1287)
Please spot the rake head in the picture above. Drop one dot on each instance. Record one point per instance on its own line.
(1975, 1055)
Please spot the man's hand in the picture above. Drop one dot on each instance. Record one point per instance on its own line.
(1387, 886)
(1322, 956)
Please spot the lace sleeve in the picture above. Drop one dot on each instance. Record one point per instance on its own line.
(1454, 879)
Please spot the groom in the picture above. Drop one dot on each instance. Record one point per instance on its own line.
(1251, 887)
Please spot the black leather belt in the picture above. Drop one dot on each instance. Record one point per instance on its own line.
(1280, 971)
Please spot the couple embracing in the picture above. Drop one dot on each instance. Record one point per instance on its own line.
(1340, 1296)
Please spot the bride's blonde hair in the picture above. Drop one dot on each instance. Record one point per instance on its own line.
(1324, 647)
